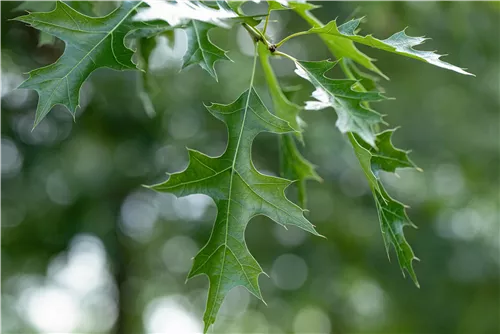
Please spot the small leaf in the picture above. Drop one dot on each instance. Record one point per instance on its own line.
(240, 192)
(200, 49)
(91, 43)
(399, 43)
(392, 214)
(339, 94)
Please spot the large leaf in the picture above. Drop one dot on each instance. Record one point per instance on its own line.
(392, 214)
(293, 165)
(353, 116)
(200, 49)
(399, 43)
(91, 43)
(240, 193)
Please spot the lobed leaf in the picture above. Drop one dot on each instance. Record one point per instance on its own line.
(91, 43)
(240, 192)
(399, 43)
(340, 47)
(392, 214)
(339, 94)
(200, 49)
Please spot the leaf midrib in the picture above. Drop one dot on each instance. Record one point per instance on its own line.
(228, 210)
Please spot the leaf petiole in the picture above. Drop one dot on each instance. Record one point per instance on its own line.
(255, 33)
(278, 53)
(267, 20)
(280, 43)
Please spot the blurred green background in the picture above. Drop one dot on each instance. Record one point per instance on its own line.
(86, 249)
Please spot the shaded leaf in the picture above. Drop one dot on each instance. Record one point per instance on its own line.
(293, 165)
(366, 81)
(145, 47)
(200, 49)
(45, 39)
(240, 192)
(392, 214)
(91, 43)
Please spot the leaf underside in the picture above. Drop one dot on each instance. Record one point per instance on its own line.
(240, 192)
(339, 94)
(375, 152)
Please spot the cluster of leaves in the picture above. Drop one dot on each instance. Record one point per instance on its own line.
(231, 180)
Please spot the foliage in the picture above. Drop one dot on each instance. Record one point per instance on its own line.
(238, 189)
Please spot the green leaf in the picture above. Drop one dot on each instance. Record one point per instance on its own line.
(275, 5)
(145, 47)
(83, 6)
(339, 47)
(200, 49)
(235, 6)
(91, 43)
(399, 43)
(392, 214)
(366, 81)
(293, 165)
(145, 43)
(283, 108)
(240, 192)
(353, 116)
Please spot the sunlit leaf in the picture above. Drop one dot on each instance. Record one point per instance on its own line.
(339, 94)
(179, 12)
